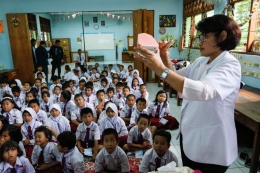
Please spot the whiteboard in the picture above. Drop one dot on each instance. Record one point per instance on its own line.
(98, 41)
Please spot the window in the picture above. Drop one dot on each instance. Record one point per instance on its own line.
(210, 13)
(257, 27)
(187, 31)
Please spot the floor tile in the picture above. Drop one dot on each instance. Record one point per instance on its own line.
(174, 150)
(234, 170)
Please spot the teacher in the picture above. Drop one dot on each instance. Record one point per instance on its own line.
(209, 88)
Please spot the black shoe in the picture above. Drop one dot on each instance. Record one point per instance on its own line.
(243, 156)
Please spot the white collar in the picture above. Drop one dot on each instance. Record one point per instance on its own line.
(18, 163)
(113, 154)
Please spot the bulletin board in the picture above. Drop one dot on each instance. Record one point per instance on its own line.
(98, 41)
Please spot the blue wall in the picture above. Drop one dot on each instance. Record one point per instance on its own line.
(25, 6)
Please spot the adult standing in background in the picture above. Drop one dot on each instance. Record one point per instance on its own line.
(209, 88)
(42, 58)
(80, 59)
(33, 43)
(57, 55)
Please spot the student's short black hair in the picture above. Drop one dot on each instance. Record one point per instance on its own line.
(13, 131)
(160, 92)
(82, 81)
(94, 68)
(57, 41)
(86, 111)
(37, 79)
(54, 78)
(100, 91)
(65, 86)
(57, 86)
(33, 101)
(130, 95)
(46, 132)
(16, 89)
(3, 80)
(110, 89)
(78, 95)
(164, 133)
(42, 88)
(90, 83)
(10, 98)
(141, 100)
(89, 87)
(11, 82)
(67, 139)
(9, 145)
(126, 87)
(39, 65)
(104, 71)
(45, 92)
(4, 122)
(115, 78)
(83, 69)
(109, 131)
(110, 65)
(66, 94)
(145, 116)
(33, 40)
(34, 91)
(42, 43)
(104, 80)
(79, 50)
(142, 85)
(39, 73)
(102, 76)
(28, 83)
(120, 84)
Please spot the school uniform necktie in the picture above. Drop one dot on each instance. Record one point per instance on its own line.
(87, 136)
(12, 170)
(7, 116)
(140, 138)
(119, 96)
(57, 99)
(30, 132)
(90, 73)
(88, 99)
(142, 96)
(16, 99)
(64, 109)
(63, 164)
(157, 111)
(130, 112)
(41, 158)
(158, 163)
(47, 108)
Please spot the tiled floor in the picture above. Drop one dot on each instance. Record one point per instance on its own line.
(236, 167)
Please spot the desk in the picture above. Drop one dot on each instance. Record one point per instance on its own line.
(9, 74)
(247, 112)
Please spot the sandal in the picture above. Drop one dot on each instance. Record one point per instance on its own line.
(243, 156)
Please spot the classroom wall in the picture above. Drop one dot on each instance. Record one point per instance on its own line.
(25, 6)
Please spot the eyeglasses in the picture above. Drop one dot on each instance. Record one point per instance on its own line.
(203, 36)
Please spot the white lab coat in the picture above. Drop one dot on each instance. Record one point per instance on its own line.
(208, 126)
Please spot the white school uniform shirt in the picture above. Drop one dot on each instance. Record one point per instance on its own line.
(19, 100)
(68, 76)
(123, 100)
(34, 124)
(122, 74)
(86, 75)
(79, 91)
(43, 74)
(75, 113)
(64, 124)
(103, 88)
(115, 100)
(138, 94)
(74, 161)
(90, 99)
(80, 59)
(126, 110)
(51, 89)
(22, 148)
(207, 120)
(133, 135)
(120, 126)
(149, 160)
(102, 116)
(94, 133)
(135, 116)
(50, 153)
(97, 102)
(48, 105)
(164, 109)
(95, 76)
(22, 165)
(116, 161)
(42, 117)
(134, 88)
(5, 89)
(70, 105)
(24, 106)
(15, 116)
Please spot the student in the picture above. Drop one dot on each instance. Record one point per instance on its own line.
(39, 70)
(12, 159)
(68, 75)
(75, 113)
(68, 103)
(95, 75)
(66, 87)
(126, 92)
(94, 90)
(113, 121)
(136, 75)
(161, 109)
(121, 73)
(104, 84)
(11, 111)
(142, 93)
(84, 73)
(27, 87)
(29, 96)
(119, 90)
(140, 109)
(12, 83)
(110, 95)
(105, 73)
(27, 129)
(103, 114)
(10, 132)
(80, 58)
(140, 137)
(75, 81)
(45, 156)
(134, 85)
(41, 115)
(128, 109)
(111, 158)
(114, 82)
(19, 98)
(129, 78)
(100, 102)
(90, 70)
(160, 155)
(89, 96)
(88, 134)
(97, 67)
(4, 88)
(37, 84)
(56, 82)
(46, 103)
(3, 122)
(58, 122)
(56, 95)
(81, 87)
(129, 70)
(72, 159)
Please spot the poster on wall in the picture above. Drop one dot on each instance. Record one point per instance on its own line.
(167, 20)
(1, 26)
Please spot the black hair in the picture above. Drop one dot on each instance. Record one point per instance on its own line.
(78, 95)
(47, 132)
(164, 133)
(218, 23)
(33, 101)
(110, 65)
(45, 92)
(145, 116)
(101, 76)
(142, 85)
(39, 73)
(126, 87)
(57, 86)
(115, 78)
(12, 82)
(110, 89)
(54, 78)
(86, 111)
(42, 88)
(82, 81)
(65, 86)
(39, 65)
(16, 89)
(104, 80)
(33, 91)
(120, 84)
(94, 68)
(130, 95)
(133, 82)
(109, 131)
(141, 100)
(156, 101)
(66, 94)
(67, 139)
(3, 80)
(83, 69)
(100, 91)
(37, 79)
(57, 41)
(28, 83)
(33, 40)
(13, 131)
(4, 121)
(10, 98)
(90, 83)
(9, 145)
(104, 71)
(79, 50)
(42, 43)
(89, 87)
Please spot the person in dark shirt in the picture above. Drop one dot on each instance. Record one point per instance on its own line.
(42, 58)
(57, 55)
(33, 43)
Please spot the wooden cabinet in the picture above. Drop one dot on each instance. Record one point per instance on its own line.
(126, 57)
(65, 44)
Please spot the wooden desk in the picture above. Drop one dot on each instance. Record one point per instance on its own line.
(9, 74)
(247, 112)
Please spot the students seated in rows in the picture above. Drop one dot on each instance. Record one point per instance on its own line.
(122, 73)
(111, 158)
(104, 85)
(100, 102)
(81, 87)
(68, 73)
(27, 129)
(11, 111)
(113, 121)
(95, 75)
(97, 67)
(88, 134)
(40, 76)
(89, 96)
(159, 155)
(140, 109)
(39, 70)
(134, 85)
(69, 104)
(19, 98)
(41, 115)
(128, 109)
(12, 159)
(45, 155)
(56, 82)
(142, 93)
(46, 103)
(26, 87)
(4, 88)
(126, 92)
(139, 137)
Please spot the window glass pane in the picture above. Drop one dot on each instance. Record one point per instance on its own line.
(197, 18)
(187, 31)
(257, 29)
(241, 12)
(210, 13)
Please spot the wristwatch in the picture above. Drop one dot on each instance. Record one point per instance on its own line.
(165, 73)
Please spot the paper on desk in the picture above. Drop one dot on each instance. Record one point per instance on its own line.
(163, 121)
(169, 167)
(139, 154)
(88, 152)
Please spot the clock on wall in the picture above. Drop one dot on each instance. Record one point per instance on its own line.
(96, 26)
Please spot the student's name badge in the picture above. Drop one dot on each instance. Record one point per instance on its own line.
(88, 152)
(163, 121)
(139, 154)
